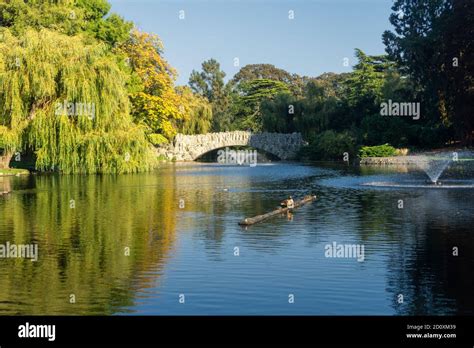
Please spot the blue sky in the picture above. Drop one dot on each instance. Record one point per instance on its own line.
(321, 35)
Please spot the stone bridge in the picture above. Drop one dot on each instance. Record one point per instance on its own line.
(191, 147)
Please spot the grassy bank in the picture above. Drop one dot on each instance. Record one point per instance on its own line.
(13, 171)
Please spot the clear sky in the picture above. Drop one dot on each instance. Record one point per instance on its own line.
(321, 35)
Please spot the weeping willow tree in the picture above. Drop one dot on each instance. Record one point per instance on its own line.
(65, 98)
(197, 112)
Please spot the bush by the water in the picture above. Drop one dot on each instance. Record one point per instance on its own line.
(384, 150)
(330, 145)
(157, 139)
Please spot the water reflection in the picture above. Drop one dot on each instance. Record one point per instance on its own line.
(189, 248)
(83, 225)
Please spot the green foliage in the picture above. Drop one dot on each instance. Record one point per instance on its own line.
(384, 150)
(366, 81)
(270, 72)
(76, 51)
(332, 84)
(112, 29)
(13, 171)
(69, 17)
(40, 71)
(277, 115)
(157, 139)
(197, 112)
(8, 140)
(330, 145)
(73, 52)
(309, 115)
(363, 88)
(330, 101)
(209, 83)
(375, 129)
(351, 103)
(432, 44)
(252, 93)
(155, 103)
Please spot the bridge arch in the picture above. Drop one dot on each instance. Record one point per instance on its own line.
(214, 154)
(191, 147)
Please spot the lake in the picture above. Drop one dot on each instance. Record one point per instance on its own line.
(169, 243)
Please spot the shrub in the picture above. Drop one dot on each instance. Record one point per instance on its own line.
(330, 145)
(384, 150)
(162, 158)
(157, 139)
(401, 152)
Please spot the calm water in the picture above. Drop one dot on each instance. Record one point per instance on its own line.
(190, 250)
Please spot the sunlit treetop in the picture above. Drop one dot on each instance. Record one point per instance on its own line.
(66, 16)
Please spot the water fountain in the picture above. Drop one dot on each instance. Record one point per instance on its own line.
(434, 165)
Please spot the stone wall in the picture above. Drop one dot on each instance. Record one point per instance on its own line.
(394, 160)
(191, 147)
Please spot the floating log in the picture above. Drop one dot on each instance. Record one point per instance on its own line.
(259, 218)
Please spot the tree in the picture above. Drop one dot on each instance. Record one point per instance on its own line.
(69, 17)
(155, 103)
(252, 72)
(197, 111)
(278, 113)
(366, 81)
(309, 115)
(66, 99)
(210, 84)
(432, 43)
(331, 83)
(460, 72)
(330, 145)
(251, 95)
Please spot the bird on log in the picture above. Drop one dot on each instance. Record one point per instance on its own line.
(259, 218)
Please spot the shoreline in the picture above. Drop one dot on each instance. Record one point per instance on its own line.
(391, 160)
(13, 172)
